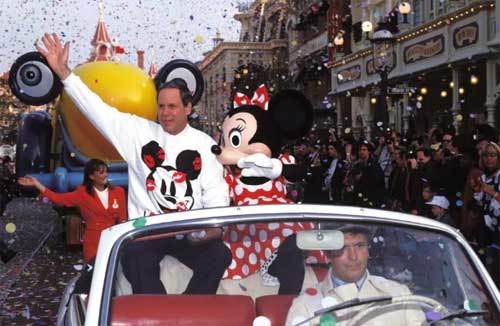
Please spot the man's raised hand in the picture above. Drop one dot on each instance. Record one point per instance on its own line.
(56, 54)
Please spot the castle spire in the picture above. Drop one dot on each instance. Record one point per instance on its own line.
(101, 10)
(101, 43)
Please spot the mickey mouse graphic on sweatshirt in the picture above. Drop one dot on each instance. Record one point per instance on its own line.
(169, 188)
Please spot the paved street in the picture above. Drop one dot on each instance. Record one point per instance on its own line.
(32, 283)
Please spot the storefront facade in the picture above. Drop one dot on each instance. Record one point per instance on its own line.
(444, 73)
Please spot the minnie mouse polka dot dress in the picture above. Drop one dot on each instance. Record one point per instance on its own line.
(254, 246)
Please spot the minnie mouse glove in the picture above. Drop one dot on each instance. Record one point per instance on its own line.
(260, 165)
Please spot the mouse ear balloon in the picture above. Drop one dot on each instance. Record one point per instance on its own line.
(185, 70)
(32, 81)
(292, 113)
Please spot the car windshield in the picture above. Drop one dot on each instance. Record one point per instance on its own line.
(395, 269)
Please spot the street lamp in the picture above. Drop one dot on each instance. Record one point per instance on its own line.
(404, 8)
(383, 60)
(367, 27)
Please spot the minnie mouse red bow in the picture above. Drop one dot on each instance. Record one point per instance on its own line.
(260, 98)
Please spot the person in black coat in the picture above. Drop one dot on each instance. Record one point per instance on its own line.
(335, 173)
(369, 185)
(398, 182)
(424, 171)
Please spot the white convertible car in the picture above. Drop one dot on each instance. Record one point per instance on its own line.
(447, 282)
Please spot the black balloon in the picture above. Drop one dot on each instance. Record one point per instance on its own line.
(32, 81)
(185, 70)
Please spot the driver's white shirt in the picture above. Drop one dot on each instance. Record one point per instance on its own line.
(324, 295)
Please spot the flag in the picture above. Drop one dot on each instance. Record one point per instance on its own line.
(119, 49)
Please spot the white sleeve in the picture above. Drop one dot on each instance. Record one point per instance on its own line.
(117, 127)
(478, 196)
(215, 190)
(495, 207)
(298, 312)
(328, 179)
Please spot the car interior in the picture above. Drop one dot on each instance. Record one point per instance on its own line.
(395, 254)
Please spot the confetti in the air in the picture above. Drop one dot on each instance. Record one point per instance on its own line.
(198, 39)
(168, 27)
(139, 222)
(10, 227)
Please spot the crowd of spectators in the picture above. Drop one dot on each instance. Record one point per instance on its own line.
(453, 178)
(7, 181)
(8, 189)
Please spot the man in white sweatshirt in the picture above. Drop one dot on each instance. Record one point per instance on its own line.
(170, 168)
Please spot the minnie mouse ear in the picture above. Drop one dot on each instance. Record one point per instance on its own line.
(32, 81)
(292, 112)
(185, 70)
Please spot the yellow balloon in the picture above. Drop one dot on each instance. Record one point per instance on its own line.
(10, 227)
(121, 85)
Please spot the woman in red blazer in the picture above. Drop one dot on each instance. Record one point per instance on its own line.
(101, 205)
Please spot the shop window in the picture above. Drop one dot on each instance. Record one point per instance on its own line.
(378, 13)
(431, 9)
(441, 8)
(357, 33)
(283, 31)
(262, 31)
(497, 74)
(273, 21)
(417, 12)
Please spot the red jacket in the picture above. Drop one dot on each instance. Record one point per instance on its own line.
(96, 217)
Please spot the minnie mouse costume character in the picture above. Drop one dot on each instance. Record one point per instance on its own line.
(249, 147)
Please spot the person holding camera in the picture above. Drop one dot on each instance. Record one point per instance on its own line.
(423, 170)
(384, 153)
